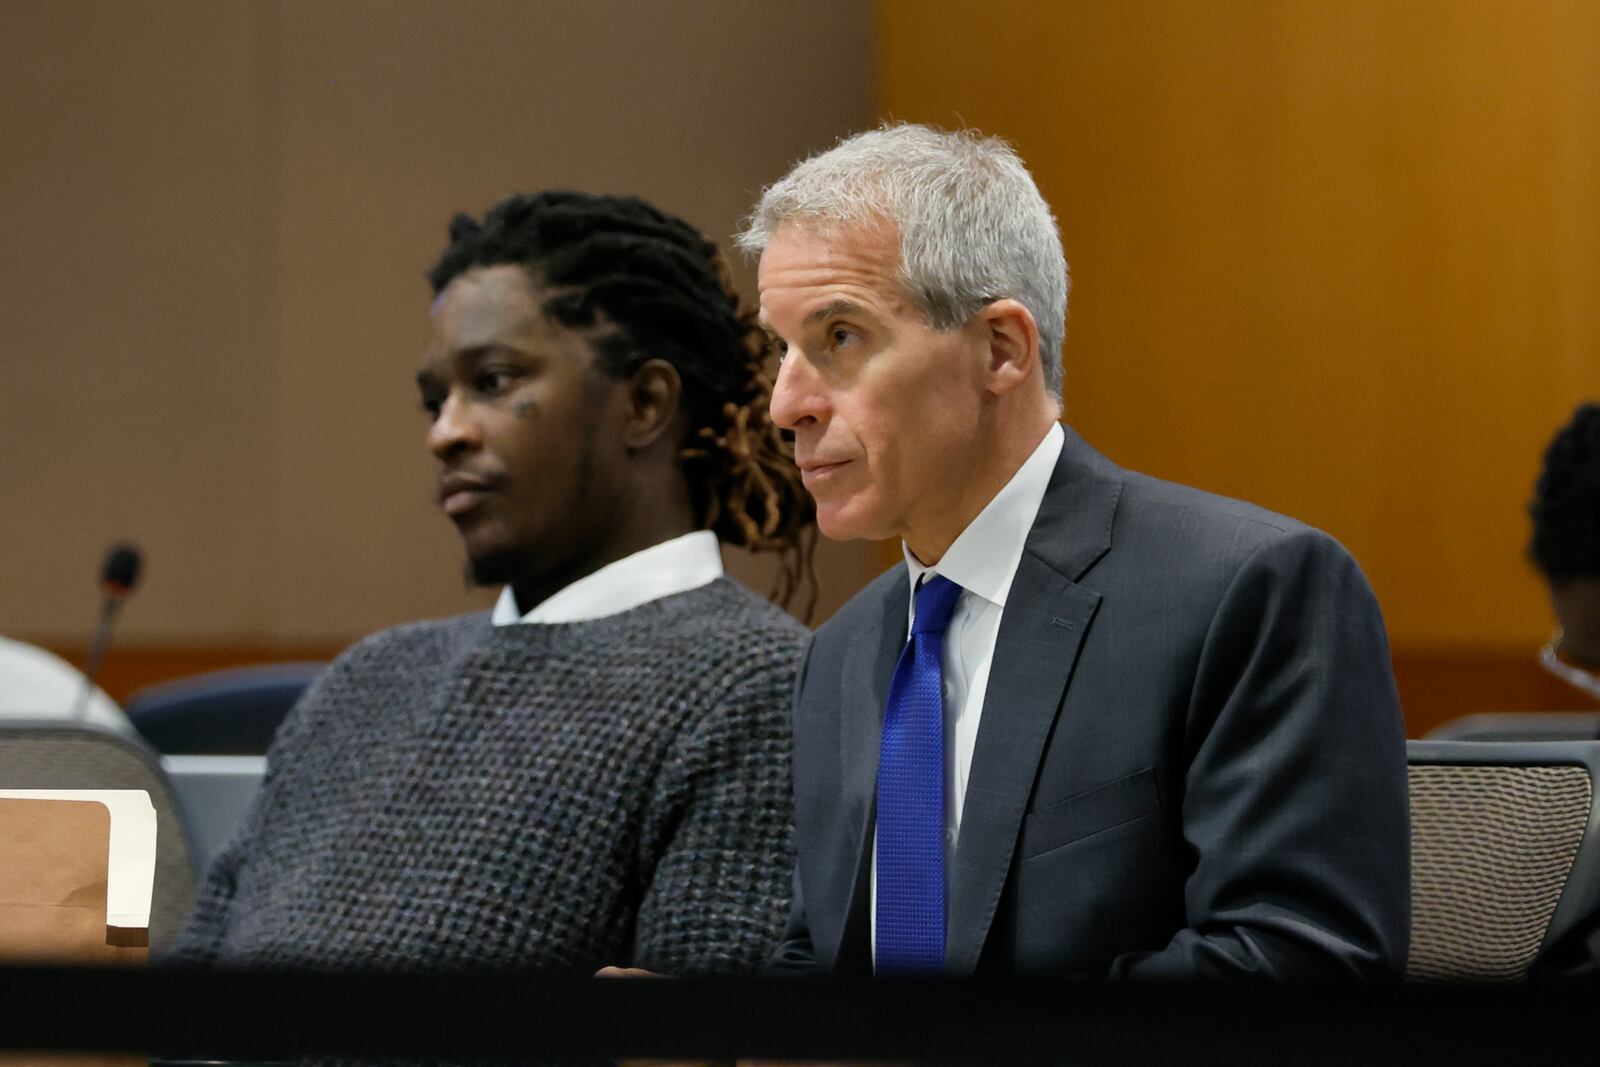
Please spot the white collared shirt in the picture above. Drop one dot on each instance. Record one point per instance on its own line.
(674, 566)
(982, 560)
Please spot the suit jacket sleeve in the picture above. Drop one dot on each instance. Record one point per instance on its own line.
(1294, 797)
(795, 956)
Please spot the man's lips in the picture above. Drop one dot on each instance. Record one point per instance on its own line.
(460, 493)
(817, 470)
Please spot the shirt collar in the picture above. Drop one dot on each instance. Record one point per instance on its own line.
(674, 566)
(984, 557)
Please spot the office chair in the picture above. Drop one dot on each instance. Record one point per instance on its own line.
(228, 712)
(53, 754)
(215, 793)
(1521, 726)
(1505, 858)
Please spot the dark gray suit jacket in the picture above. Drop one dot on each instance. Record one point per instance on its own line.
(1190, 762)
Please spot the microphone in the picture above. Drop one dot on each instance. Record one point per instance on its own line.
(119, 574)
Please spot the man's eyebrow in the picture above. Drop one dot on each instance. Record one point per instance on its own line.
(466, 356)
(826, 311)
(833, 308)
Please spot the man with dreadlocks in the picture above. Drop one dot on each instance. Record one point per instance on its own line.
(597, 772)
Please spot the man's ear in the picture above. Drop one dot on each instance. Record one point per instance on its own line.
(1013, 345)
(654, 391)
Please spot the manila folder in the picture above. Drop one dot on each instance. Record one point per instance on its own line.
(53, 874)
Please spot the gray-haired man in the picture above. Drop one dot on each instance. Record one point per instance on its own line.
(1136, 730)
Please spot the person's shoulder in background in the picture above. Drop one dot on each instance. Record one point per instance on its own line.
(38, 684)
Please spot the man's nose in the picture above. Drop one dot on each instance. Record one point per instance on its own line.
(454, 430)
(798, 399)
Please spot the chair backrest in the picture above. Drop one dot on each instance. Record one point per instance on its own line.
(1503, 854)
(45, 754)
(1521, 726)
(215, 792)
(229, 712)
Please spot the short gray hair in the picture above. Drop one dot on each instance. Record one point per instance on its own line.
(973, 226)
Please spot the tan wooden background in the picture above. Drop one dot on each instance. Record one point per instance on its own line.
(1340, 259)
(217, 214)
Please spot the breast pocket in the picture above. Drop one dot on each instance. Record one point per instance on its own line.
(1091, 812)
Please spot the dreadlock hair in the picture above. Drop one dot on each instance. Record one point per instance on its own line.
(1566, 502)
(657, 288)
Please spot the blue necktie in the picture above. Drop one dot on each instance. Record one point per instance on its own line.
(911, 889)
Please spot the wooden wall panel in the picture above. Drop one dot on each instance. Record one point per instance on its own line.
(1342, 260)
(134, 399)
(218, 217)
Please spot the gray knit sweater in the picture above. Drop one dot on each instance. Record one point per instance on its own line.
(456, 795)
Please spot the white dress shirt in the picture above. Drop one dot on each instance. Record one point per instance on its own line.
(982, 560)
(674, 566)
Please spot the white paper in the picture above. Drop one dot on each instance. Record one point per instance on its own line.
(131, 865)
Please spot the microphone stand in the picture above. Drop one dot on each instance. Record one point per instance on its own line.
(97, 651)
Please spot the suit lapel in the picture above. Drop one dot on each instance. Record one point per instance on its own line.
(868, 670)
(1046, 617)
